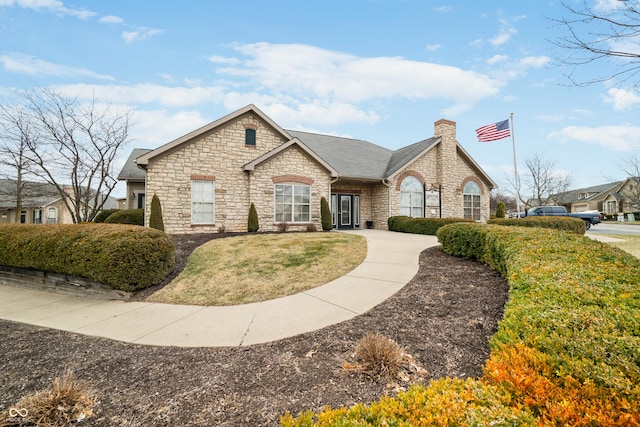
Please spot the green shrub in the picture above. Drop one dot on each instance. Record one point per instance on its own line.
(123, 256)
(567, 351)
(129, 216)
(565, 223)
(253, 224)
(428, 226)
(500, 210)
(325, 215)
(102, 215)
(155, 216)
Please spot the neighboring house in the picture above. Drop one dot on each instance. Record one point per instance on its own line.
(41, 204)
(207, 179)
(611, 199)
(134, 177)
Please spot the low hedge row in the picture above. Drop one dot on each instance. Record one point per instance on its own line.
(566, 353)
(406, 224)
(123, 256)
(574, 225)
(127, 216)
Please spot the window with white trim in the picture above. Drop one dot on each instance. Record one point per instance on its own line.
(202, 202)
(293, 203)
(52, 215)
(411, 197)
(471, 201)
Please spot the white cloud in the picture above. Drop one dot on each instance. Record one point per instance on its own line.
(496, 58)
(152, 128)
(503, 37)
(306, 72)
(432, 47)
(147, 93)
(141, 33)
(614, 138)
(443, 9)
(217, 59)
(21, 63)
(54, 6)
(621, 99)
(111, 19)
(535, 61)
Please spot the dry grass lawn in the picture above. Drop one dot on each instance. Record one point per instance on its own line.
(631, 244)
(259, 267)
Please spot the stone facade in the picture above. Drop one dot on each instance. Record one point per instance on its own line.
(245, 173)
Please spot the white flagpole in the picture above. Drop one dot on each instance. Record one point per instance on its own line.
(515, 167)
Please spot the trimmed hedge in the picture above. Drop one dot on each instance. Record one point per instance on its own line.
(575, 225)
(129, 216)
(123, 256)
(567, 351)
(102, 215)
(406, 224)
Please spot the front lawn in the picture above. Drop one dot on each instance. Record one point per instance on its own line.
(259, 267)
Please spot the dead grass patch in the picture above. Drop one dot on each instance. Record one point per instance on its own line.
(68, 401)
(631, 244)
(379, 357)
(245, 269)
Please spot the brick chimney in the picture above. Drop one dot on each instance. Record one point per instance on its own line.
(446, 168)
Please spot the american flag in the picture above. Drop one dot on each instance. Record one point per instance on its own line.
(493, 131)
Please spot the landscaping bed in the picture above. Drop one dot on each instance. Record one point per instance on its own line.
(443, 318)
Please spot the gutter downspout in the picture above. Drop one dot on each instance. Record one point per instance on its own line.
(387, 184)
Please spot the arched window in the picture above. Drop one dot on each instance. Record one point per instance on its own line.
(411, 197)
(471, 201)
(52, 215)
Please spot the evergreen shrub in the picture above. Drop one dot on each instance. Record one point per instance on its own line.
(125, 257)
(102, 215)
(129, 216)
(252, 224)
(155, 216)
(428, 226)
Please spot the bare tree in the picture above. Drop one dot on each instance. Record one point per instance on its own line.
(73, 146)
(605, 32)
(15, 131)
(497, 196)
(543, 181)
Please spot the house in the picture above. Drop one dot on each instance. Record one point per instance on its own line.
(41, 204)
(134, 178)
(613, 198)
(207, 179)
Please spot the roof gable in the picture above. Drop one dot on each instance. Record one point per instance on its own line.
(196, 134)
(403, 156)
(293, 142)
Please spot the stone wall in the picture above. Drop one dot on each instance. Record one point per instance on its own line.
(220, 155)
(292, 166)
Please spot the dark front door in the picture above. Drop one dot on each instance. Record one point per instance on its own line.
(348, 211)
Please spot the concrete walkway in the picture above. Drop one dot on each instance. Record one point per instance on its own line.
(391, 262)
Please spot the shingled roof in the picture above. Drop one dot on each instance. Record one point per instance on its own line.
(130, 171)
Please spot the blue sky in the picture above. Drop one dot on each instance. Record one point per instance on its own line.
(378, 70)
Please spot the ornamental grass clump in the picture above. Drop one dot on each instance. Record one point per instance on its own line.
(377, 356)
(68, 401)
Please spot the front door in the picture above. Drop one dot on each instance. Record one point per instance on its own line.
(347, 210)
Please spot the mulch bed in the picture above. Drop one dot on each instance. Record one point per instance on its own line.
(444, 318)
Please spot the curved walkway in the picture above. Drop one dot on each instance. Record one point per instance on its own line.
(391, 261)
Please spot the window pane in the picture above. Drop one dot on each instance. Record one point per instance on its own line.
(202, 202)
(250, 137)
